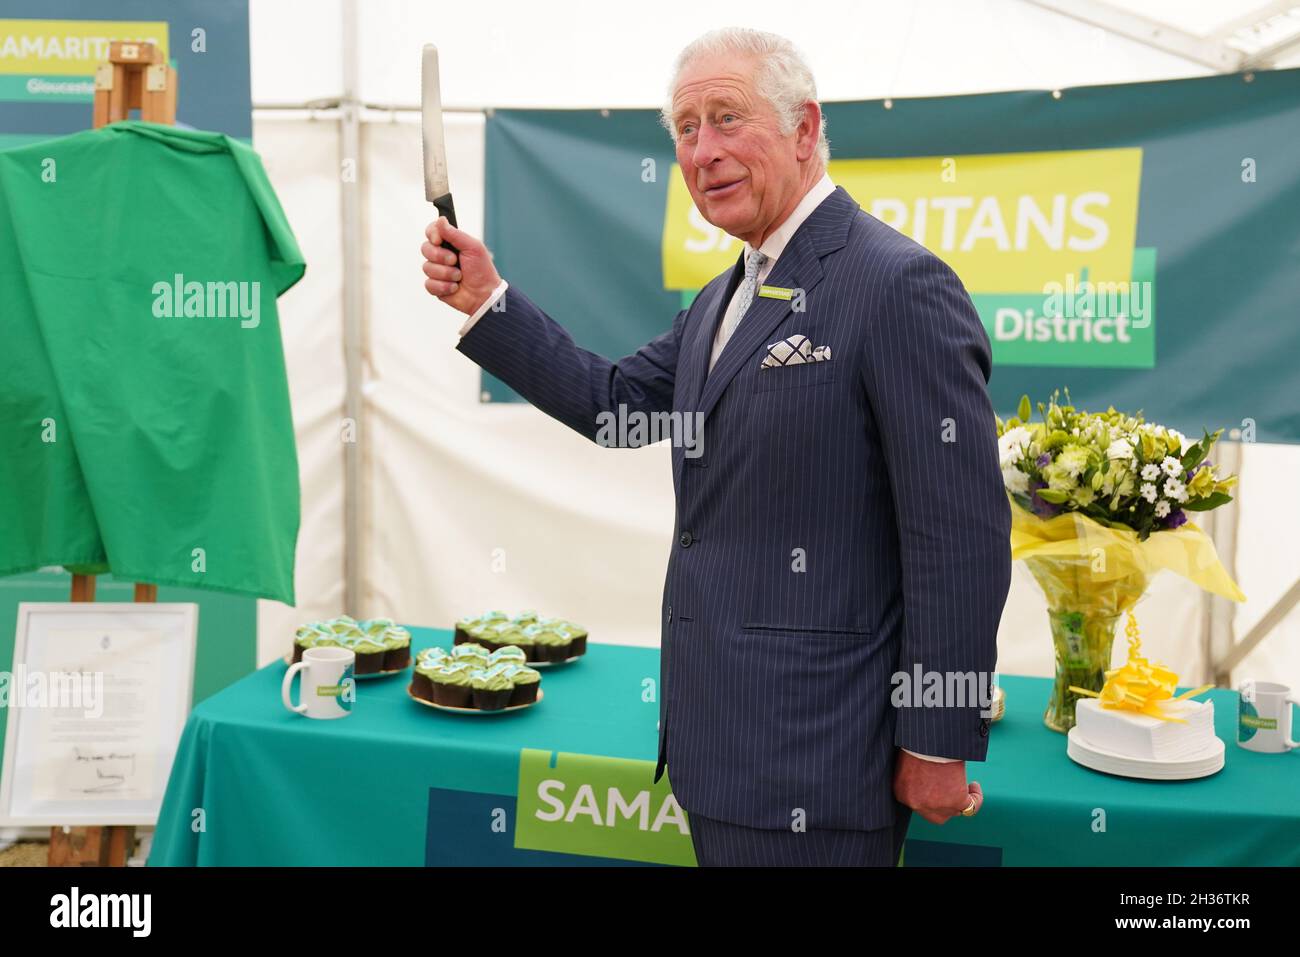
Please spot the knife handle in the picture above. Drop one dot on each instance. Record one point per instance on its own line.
(445, 207)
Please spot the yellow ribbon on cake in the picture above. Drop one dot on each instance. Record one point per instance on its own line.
(1139, 685)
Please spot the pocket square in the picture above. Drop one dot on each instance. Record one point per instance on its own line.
(792, 351)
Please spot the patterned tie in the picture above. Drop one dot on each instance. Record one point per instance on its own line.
(745, 294)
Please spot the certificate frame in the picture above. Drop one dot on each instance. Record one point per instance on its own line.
(61, 769)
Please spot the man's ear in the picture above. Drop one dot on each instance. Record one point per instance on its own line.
(807, 131)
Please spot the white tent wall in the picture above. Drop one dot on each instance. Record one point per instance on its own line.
(301, 159)
(469, 505)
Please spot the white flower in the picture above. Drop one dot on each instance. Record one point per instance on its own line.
(1172, 467)
(1011, 445)
(1150, 472)
(1014, 479)
(1120, 449)
(1175, 489)
(1162, 508)
(1148, 491)
(1073, 459)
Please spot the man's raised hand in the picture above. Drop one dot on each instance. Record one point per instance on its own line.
(463, 282)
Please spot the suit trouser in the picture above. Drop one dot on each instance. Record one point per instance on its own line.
(720, 844)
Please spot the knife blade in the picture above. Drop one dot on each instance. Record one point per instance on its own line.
(437, 184)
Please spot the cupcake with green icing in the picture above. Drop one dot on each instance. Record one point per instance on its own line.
(492, 688)
(304, 638)
(462, 628)
(510, 654)
(465, 627)
(397, 646)
(526, 684)
(369, 651)
(421, 677)
(525, 643)
(451, 685)
(433, 655)
(476, 632)
(314, 634)
(553, 644)
(471, 653)
(578, 634)
(500, 634)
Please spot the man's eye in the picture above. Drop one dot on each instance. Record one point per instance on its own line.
(687, 129)
(728, 116)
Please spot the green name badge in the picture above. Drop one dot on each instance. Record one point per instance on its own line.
(775, 292)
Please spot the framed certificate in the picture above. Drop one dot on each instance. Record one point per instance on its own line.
(96, 701)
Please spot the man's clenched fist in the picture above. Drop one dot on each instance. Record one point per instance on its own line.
(936, 791)
(463, 282)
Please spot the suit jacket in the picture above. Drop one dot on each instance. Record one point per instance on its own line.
(845, 522)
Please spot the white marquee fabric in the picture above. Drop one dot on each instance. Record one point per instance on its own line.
(471, 505)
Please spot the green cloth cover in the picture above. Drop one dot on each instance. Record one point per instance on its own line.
(132, 439)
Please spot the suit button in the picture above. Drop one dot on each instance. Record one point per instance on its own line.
(984, 727)
(686, 539)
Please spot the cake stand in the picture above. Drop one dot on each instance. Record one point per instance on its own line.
(1201, 765)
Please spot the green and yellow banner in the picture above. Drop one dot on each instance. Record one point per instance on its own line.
(1067, 218)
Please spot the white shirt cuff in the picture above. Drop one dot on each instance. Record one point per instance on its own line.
(491, 301)
(930, 757)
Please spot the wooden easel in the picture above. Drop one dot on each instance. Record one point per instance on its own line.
(134, 78)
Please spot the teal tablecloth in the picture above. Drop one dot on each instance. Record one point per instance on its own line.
(255, 785)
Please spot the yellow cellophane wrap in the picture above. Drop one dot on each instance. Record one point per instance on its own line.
(1092, 574)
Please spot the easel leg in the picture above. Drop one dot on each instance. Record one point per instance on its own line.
(91, 846)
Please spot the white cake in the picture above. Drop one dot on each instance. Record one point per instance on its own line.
(1134, 735)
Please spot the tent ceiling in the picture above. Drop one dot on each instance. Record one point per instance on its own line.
(517, 53)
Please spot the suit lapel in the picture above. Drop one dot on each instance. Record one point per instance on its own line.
(799, 267)
(706, 330)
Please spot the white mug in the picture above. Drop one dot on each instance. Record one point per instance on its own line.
(1264, 717)
(328, 685)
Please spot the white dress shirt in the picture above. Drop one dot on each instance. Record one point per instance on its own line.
(772, 247)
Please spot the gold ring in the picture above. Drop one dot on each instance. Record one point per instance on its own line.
(970, 808)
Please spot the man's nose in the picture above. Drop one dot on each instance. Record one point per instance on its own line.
(708, 146)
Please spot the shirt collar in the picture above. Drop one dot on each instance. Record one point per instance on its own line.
(775, 244)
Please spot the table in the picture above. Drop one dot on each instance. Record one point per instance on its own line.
(568, 782)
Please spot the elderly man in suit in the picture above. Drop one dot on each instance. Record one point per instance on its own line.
(841, 529)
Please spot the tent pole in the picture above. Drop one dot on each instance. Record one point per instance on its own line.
(352, 431)
(1208, 52)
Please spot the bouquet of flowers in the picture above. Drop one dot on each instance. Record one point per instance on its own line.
(1100, 503)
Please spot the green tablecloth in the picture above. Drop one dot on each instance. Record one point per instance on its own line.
(256, 785)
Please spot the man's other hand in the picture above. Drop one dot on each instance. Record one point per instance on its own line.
(935, 790)
(463, 282)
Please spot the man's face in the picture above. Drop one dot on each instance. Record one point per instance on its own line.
(742, 172)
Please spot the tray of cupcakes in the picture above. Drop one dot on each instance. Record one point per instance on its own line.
(381, 646)
(472, 680)
(544, 641)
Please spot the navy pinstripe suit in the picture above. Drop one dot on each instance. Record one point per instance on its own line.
(879, 464)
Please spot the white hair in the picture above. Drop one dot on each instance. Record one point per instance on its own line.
(783, 77)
